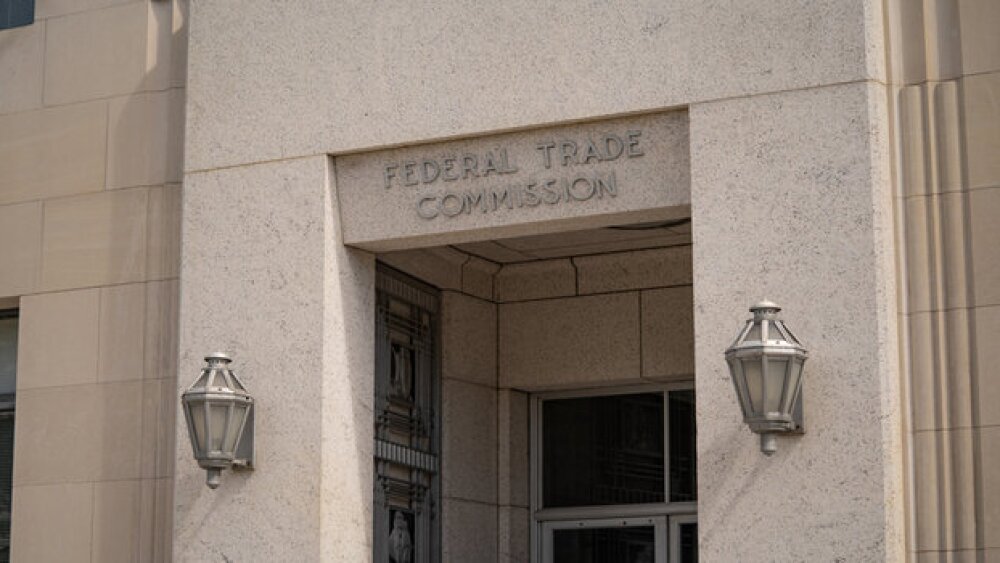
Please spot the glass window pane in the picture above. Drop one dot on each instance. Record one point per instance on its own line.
(6, 471)
(755, 385)
(8, 353)
(604, 545)
(198, 426)
(218, 417)
(603, 450)
(688, 542)
(683, 465)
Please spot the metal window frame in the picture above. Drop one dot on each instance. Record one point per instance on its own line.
(659, 524)
(585, 515)
(674, 535)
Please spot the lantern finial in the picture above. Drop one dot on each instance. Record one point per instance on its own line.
(765, 309)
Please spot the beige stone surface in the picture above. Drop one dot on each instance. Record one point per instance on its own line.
(941, 353)
(667, 333)
(944, 467)
(984, 207)
(440, 267)
(989, 444)
(923, 371)
(52, 152)
(41, 510)
(160, 331)
(536, 280)
(836, 491)
(121, 334)
(513, 539)
(98, 427)
(468, 442)
(599, 240)
(179, 45)
(432, 73)
(163, 236)
(979, 22)
(58, 340)
(643, 167)
(21, 247)
(987, 321)
(145, 139)
(116, 521)
(919, 275)
(634, 270)
(95, 54)
(304, 306)
(512, 448)
(573, 341)
(982, 129)
(468, 532)
(161, 411)
(961, 556)
(495, 251)
(468, 339)
(55, 8)
(21, 64)
(164, 31)
(156, 525)
(94, 239)
(928, 501)
(477, 277)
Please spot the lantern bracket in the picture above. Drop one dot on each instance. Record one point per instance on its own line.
(246, 454)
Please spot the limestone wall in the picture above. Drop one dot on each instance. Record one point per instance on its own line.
(945, 95)
(91, 128)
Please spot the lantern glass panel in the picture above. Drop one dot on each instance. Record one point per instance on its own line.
(232, 433)
(218, 416)
(197, 410)
(736, 369)
(793, 383)
(775, 385)
(755, 383)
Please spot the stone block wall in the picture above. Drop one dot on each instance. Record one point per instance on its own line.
(91, 129)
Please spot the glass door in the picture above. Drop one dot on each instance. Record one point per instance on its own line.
(614, 475)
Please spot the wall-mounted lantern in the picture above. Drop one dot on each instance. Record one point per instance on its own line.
(220, 419)
(765, 363)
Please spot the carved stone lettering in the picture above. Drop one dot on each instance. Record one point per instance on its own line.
(601, 168)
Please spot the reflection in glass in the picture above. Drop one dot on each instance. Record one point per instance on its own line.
(603, 450)
(604, 545)
(683, 468)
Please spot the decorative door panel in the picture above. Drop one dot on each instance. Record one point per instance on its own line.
(406, 514)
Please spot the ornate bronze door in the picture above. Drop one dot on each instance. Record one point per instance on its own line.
(407, 440)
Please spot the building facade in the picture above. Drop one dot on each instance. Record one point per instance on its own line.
(478, 265)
